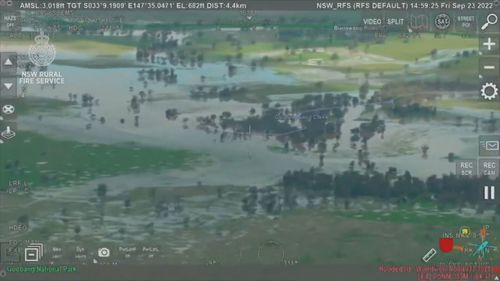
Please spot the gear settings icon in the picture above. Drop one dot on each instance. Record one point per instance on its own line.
(489, 91)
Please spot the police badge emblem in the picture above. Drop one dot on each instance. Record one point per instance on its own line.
(42, 53)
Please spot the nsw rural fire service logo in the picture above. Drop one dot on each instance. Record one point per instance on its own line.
(42, 53)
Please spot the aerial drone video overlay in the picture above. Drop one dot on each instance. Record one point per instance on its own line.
(240, 136)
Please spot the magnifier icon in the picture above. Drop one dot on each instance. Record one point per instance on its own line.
(491, 19)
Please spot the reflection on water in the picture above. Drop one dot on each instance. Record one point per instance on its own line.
(244, 162)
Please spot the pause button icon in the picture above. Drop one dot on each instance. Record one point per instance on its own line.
(489, 192)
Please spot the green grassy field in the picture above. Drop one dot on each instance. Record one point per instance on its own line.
(304, 56)
(91, 45)
(95, 47)
(99, 63)
(372, 67)
(43, 161)
(224, 49)
(256, 44)
(475, 104)
(311, 236)
(397, 48)
(38, 105)
(464, 70)
(315, 236)
(393, 47)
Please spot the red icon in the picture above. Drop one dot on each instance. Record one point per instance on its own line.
(483, 232)
(446, 244)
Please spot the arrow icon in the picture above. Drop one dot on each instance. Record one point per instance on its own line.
(8, 85)
(8, 62)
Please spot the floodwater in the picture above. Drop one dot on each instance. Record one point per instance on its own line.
(249, 162)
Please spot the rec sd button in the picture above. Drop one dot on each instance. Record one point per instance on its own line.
(467, 168)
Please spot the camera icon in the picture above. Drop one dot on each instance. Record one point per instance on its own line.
(103, 252)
